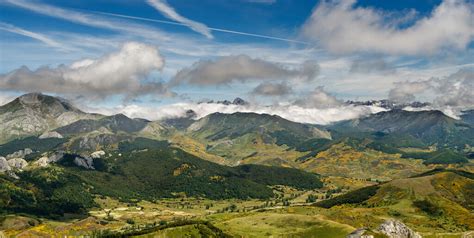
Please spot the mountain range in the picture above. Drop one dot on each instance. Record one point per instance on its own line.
(56, 159)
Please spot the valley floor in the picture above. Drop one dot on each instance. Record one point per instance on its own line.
(190, 217)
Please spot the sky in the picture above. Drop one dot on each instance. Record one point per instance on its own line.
(298, 59)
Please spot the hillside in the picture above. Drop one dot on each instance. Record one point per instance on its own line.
(242, 135)
(468, 116)
(440, 199)
(113, 124)
(138, 172)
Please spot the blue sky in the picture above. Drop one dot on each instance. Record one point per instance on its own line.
(346, 49)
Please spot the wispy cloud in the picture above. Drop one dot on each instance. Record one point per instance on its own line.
(88, 19)
(169, 12)
(211, 28)
(37, 36)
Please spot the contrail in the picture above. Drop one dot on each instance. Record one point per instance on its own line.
(214, 29)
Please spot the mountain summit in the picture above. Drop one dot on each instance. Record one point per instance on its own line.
(35, 113)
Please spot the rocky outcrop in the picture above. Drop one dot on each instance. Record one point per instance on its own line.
(4, 166)
(396, 229)
(50, 134)
(98, 154)
(85, 162)
(20, 153)
(359, 233)
(390, 228)
(42, 162)
(45, 161)
(17, 163)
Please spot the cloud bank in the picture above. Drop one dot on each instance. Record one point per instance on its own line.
(169, 12)
(241, 68)
(119, 73)
(343, 28)
(450, 94)
(290, 112)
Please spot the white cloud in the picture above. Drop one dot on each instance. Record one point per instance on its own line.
(343, 28)
(169, 12)
(289, 112)
(228, 69)
(121, 72)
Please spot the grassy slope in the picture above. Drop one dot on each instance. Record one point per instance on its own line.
(448, 193)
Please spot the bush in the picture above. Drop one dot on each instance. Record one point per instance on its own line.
(428, 207)
(354, 197)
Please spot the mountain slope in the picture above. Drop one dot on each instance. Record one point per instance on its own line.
(429, 127)
(240, 136)
(468, 116)
(35, 113)
(113, 124)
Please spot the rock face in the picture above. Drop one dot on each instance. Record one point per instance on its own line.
(396, 229)
(35, 113)
(50, 134)
(45, 161)
(20, 153)
(17, 163)
(86, 162)
(4, 166)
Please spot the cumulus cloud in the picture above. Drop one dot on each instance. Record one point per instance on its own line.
(170, 12)
(318, 98)
(123, 72)
(272, 89)
(450, 94)
(228, 69)
(343, 28)
(290, 112)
